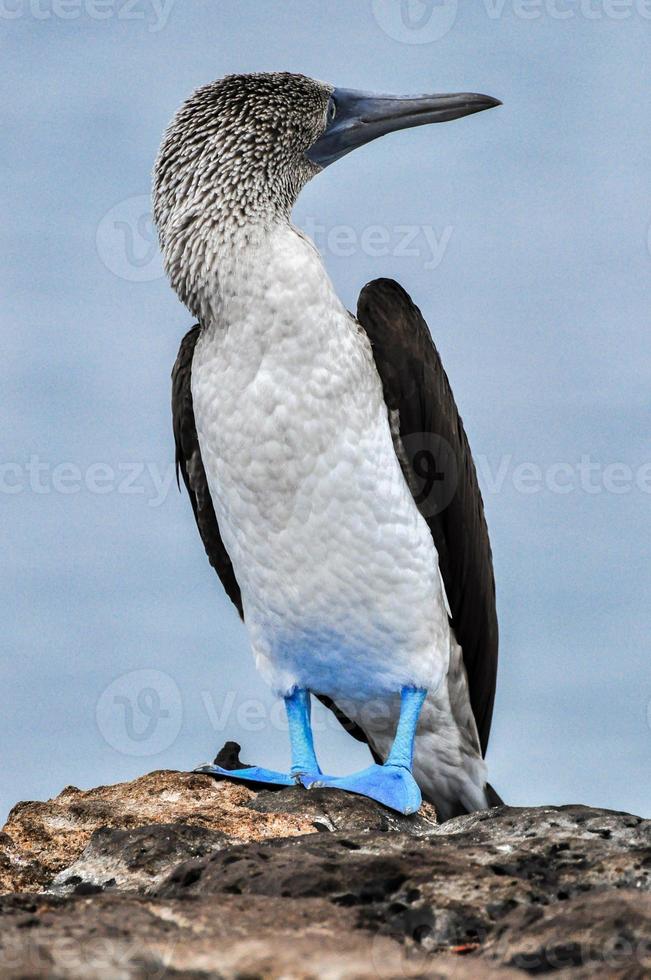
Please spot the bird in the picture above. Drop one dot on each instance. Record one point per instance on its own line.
(325, 460)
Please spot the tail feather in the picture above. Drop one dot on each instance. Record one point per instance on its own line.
(493, 797)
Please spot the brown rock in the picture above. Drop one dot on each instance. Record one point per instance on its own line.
(44, 838)
(177, 875)
(597, 934)
(118, 936)
(40, 840)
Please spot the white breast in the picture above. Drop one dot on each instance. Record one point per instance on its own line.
(337, 568)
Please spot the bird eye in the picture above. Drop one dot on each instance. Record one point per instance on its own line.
(332, 110)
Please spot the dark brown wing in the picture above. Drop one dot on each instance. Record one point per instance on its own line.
(190, 466)
(438, 466)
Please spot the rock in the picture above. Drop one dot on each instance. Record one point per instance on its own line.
(135, 859)
(446, 889)
(333, 810)
(600, 933)
(40, 840)
(180, 875)
(115, 936)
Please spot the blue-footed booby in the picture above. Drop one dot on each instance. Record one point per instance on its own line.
(303, 436)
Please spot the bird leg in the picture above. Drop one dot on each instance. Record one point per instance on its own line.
(298, 708)
(304, 761)
(392, 783)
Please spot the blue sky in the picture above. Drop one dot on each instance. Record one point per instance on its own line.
(522, 233)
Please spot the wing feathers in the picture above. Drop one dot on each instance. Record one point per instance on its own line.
(438, 466)
(190, 466)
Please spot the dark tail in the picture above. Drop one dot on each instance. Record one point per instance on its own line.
(493, 797)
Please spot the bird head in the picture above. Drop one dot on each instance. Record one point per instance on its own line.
(236, 148)
(238, 152)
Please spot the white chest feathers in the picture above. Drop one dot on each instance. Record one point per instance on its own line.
(337, 568)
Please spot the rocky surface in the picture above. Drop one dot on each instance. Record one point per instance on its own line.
(178, 875)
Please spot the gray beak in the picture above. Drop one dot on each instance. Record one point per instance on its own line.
(356, 118)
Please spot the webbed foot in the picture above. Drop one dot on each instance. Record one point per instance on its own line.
(393, 786)
(250, 774)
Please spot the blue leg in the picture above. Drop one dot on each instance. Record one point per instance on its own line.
(391, 784)
(304, 763)
(298, 708)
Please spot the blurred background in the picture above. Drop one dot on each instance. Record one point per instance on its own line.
(522, 233)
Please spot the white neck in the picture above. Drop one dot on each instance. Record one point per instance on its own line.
(266, 276)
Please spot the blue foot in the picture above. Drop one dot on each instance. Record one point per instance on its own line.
(250, 774)
(391, 784)
(297, 705)
(394, 786)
